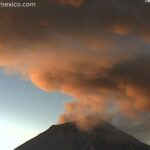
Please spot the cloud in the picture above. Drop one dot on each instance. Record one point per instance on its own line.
(98, 53)
(76, 3)
(137, 127)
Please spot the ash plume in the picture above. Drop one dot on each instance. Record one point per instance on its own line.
(98, 53)
(76, 3)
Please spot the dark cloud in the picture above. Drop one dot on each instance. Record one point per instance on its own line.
(96, 51)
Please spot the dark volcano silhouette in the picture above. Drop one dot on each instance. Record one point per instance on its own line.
(68, 137)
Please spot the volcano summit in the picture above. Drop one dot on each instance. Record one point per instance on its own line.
(68, 137)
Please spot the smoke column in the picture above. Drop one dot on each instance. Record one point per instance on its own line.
(96, 51)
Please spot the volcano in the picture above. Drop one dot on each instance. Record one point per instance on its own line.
(68, 137)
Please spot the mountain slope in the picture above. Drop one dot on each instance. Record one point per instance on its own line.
(68, 137)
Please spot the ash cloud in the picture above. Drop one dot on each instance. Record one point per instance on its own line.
(96, 51)
(76, 3)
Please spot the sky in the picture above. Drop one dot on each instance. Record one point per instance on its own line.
(97, 52)
(25, 110)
